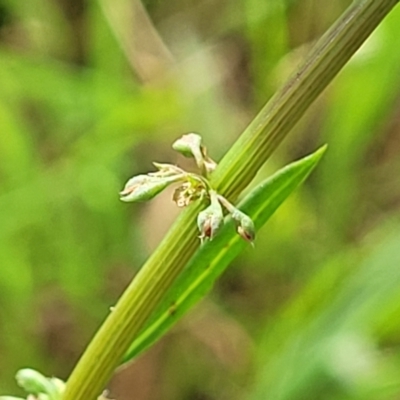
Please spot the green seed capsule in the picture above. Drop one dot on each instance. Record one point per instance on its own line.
(145, 187)
(210, 220)
(245, 225)
(189, 145)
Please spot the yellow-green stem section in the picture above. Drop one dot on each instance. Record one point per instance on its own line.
(235, 171)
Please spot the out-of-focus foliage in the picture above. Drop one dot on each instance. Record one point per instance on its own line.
(90, 95)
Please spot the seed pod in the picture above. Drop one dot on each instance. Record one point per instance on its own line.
(244, 225)
(210, 220)
(145, 187)
(189, 145)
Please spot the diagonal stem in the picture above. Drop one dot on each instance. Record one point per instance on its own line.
(288, 105)
(235, 171)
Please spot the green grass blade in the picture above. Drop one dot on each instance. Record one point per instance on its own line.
(212, 259)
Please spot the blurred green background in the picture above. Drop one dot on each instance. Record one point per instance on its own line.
(91, 92)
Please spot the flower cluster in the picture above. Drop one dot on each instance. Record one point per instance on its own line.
(210, 220)
(191, 187)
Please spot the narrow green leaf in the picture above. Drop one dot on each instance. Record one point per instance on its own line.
(210, 261)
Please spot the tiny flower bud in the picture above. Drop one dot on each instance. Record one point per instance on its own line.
(209, 223)
(210, 220)
(188, 192)
(189, 145)
(180, 196)
(145, 187)
(34, 382)
(245, 225)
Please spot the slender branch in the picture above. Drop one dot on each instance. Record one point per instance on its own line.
(236, 170)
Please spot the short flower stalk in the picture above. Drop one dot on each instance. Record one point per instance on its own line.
(244, 224)
(192, 187)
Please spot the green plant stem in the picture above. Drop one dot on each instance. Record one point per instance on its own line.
(236, 170)
(288, 105)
